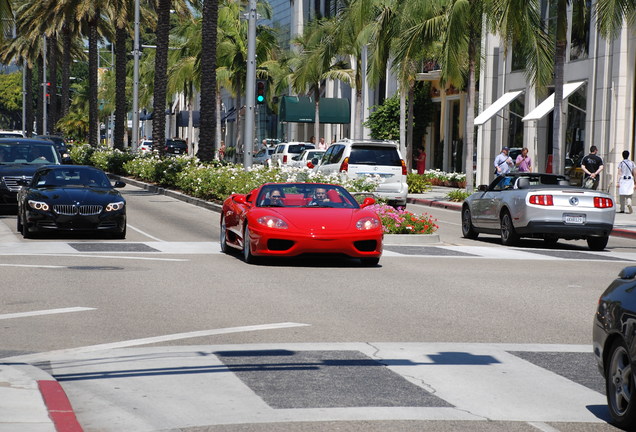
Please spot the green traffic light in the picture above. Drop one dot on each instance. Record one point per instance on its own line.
(260, 98)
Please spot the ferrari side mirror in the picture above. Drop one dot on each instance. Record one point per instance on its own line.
(367, 202)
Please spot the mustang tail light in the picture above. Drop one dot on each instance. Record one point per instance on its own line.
(272, 222)
(404, 170)
(284, 158)
(600, 202)
(344, 166)
(544, 200)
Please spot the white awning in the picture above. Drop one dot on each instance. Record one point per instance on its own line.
(496, 106)
(547, 105)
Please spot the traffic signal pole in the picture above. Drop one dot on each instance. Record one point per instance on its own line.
(250, 85)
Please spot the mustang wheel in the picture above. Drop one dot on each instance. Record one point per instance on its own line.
(509, 236)
(619, 387)
(597, 243)
(247, 248)
(223, 239)
(468, 230)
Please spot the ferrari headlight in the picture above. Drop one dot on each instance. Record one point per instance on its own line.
(272, 222)
(115, 206)
(368, 223)
(38, 205)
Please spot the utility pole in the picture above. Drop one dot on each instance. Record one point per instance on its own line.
(45, 114)
(250, 85)
(135, 102)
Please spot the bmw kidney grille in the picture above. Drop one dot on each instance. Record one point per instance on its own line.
(72, 210)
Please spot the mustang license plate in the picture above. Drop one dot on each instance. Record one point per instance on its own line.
(574, 218)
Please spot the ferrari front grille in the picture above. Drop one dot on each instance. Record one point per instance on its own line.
(366, 245)
(72, 210)
(279, 245)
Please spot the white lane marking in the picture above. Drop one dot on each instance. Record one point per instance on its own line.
(543, 427)
(144, 233)
(45, 312)
(92, 256)
(159, 339)
(32, 265)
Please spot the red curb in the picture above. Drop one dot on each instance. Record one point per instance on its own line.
(618, 232)
(58, 406)
(434, 203)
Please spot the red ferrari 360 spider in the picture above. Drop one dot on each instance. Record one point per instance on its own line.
(289, 219)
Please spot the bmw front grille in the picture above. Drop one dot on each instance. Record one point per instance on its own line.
(72, 210)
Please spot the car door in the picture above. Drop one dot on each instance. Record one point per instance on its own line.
(493, 200)
(327, 165)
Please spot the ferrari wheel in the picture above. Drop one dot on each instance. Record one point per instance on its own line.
(619, 387)
(597, 243)
(468, 230)
(247, 247)
(223, 236)
(509, 236)
(369, 262)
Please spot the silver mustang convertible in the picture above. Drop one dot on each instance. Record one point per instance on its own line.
(541, 206)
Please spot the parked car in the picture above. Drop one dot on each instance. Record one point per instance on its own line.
(145, 146)
(70, 198)
(19, 159)
(263, 156)
(306, 157)
(176, 146)
(11, 134)
(359, 158)
(538, 205)
(614, 346)
(286, 151)
(290, 219)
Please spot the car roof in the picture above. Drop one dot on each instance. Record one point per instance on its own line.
(18, 140)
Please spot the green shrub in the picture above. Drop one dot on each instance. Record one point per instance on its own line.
(110, 160)
(81, 154)
(417, 183)
(458, 195)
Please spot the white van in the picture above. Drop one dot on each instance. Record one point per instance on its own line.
(358, 158)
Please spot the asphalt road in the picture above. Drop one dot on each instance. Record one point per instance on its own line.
(307, 344)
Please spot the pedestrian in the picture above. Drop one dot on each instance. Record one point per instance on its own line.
(503, 162)
(322, 145)
(524, 162)
(626, 173)
(421, 160)
(592, 165)
(222, 151)
(312, 140)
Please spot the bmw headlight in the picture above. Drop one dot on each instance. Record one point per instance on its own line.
(115, 206)
(38, 205)
(368, 223)
(272, 222)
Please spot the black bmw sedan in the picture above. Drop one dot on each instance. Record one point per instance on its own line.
(614, 343)
(71, 198)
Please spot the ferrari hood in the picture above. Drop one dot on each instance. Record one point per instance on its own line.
(319, 218)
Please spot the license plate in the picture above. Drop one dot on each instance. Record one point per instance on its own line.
(574, 219)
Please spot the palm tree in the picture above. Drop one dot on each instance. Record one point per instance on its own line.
(161, 67)
(208, 124)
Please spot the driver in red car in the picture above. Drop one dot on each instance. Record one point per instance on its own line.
(276, 198)
(320, 196)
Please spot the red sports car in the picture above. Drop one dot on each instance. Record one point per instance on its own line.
(289, 219)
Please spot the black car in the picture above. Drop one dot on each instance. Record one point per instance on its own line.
(614, 343)
(71, 198)
(60, 145)
(19, 158)
(176, 146)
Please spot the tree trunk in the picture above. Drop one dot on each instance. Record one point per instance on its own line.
(161, 68)
(66, 71)
(93, 109)
(403, 122)
(218, 123)
(28, 95)
(121, 105)
(317, 114)
(39, 125)
(470, 116)
(52, 70)
(557, 115)
(207, 119)
(409, 133)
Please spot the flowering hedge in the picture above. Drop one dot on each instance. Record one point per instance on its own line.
(441, 178)
(400, 221)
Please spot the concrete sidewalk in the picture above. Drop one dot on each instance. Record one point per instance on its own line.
(624, 224)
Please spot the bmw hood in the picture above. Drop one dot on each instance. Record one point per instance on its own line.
(76, 195)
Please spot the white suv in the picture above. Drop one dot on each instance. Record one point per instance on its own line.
(285, 151)
(359, 158)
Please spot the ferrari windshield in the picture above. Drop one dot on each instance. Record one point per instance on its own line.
(305, 195)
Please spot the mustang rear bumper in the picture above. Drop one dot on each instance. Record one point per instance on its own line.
(280, 243)
(567, 230)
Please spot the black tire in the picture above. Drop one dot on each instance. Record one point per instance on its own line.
(19, 224)
(25, 231)
(468, 230)
(550, 241)
(223, 236)
(597, 243)
(619, 386)
(248, 257)
(509, 236)
(370, 262)
(120, 235)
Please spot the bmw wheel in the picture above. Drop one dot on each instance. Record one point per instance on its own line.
(19, 224)
(223, 236)
(25, 231)
(468, 230)
(597, 243)
(509, 236)
(619, 387)
(247, 247)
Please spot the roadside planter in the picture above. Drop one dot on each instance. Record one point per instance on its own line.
(404, 228)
